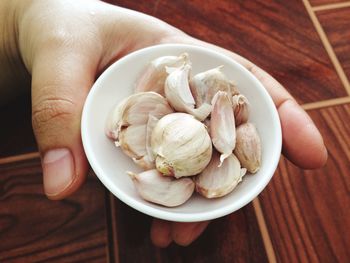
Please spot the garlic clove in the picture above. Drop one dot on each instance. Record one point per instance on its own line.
(135, 109)
(206, 84)
(202, 112)
(217, 181)
(153, 78)
(145, 162)
(222, 125)
(166, 191)
(241, 109)
(179, 95)
(113, 128)
(233, 88)
(141, 105)
(135, 141)
(206, 122)
(132, 141)
(177, 90)
(152, 121)
(181, 144)
(248, 147)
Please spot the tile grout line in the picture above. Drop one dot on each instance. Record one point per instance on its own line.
(330, 6)
(327, 46)
(20, 157)
(326, 103)
(111, 215)
(270, 252)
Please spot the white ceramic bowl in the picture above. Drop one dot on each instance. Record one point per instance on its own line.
(110, 164)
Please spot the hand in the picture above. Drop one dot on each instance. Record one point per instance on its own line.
(66, 44)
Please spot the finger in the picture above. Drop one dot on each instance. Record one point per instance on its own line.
(298, 129)
(62, 75)
(160, 233)
(185, 233)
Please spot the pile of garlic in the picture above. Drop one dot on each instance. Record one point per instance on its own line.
(187, 133)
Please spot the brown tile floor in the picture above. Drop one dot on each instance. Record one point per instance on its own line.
(308, 211)
(33, 228)
(336, 23)
(277, 35)
(305, 214)
(326, 2)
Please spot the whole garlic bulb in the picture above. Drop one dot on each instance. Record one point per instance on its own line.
(181, 145)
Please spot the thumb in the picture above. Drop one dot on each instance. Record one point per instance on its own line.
(61, 79)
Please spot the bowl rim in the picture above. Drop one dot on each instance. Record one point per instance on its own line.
(168, 215)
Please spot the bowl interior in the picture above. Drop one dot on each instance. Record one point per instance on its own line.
(110, 164)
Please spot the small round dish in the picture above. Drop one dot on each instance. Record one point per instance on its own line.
(110, 163)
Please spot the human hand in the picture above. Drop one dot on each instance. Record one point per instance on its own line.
(66, 44)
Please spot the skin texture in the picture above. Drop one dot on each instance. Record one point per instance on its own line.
(64, 45)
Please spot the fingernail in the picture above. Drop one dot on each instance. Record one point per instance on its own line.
(58, 170)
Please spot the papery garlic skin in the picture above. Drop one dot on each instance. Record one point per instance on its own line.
(153, 78)
(135, 110)
(222, 125)
(178, 93)
(133, 142)
(206, 84)
(152, 121)
(219, 181)
(112, 128)
(241, 109)
(167, 191)
(181, 144)
(248, 147)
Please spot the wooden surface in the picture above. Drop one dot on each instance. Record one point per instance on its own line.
(277, 35)
(308, 211)
(33, 228)
(336, 24)
(302, 216)
(236, 238)
(325, 2)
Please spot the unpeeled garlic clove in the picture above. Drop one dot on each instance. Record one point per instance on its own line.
(134, 110)
(179, 95)
(132, 141)
(152, 121)
(217, 181)
(248, 147)
(156, 188)
(222, 125)
(241, 109)
(206, 84)
(181, 144)
(153, 78)
(112, 128)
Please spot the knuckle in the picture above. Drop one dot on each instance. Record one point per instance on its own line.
(52, 111)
